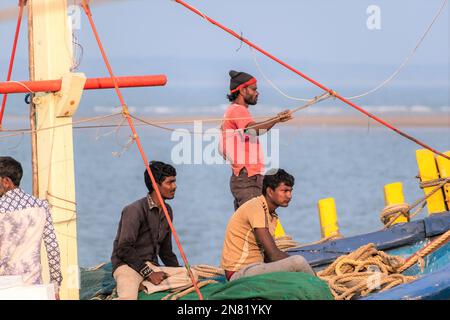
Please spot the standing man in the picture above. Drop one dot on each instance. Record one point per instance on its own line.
(24, 222)
(239, 143)
(249, 247)
(144, 235)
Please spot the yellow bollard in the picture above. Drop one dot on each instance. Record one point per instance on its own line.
(279, 231)
(444, 172)
(393, 194)
(328, 217)
(428, 171)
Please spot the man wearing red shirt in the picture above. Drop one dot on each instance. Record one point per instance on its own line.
(239, 142)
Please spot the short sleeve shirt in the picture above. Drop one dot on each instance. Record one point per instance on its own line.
(240, 247)
(242, 149)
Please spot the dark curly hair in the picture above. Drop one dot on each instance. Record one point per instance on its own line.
(160, 171)
(233, 96)
(273, 178)
(11, 168)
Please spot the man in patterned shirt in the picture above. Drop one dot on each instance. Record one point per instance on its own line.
(14, 199)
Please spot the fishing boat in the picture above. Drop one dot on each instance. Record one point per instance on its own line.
(56, 93)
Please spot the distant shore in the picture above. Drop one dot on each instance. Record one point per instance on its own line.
(398, 120)
(431, 120)
(426, 120)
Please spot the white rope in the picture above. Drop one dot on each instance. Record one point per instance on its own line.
(22, 84)
(408, 58)
(273, 85)
(382, 84)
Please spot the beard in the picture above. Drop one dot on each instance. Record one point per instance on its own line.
(251, 101)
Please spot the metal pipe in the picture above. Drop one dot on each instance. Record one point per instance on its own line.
(92, 83)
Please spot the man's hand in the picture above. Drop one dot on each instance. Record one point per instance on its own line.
(157, 277)
(284, 116)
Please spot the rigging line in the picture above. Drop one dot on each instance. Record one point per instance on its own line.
(144, 122)
(117, 127)
(21, 84)
(304, 76)
(17, 145)
(270, 82)
(152, 124)
(379, 86)
(12, 58)
(126, 114)
(29, 131)
(408, 58)
(315, 100)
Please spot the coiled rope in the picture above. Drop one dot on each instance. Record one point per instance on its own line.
(363, 271)
(390, 213)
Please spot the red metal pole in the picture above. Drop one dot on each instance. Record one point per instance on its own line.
(92, 83)
(13, 55)
(284, 64)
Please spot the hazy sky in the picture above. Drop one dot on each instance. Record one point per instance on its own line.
(303, 33)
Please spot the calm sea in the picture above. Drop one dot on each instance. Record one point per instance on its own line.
(350, 164)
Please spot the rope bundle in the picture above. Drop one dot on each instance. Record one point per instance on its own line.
(392, 212)
(206, 271)
(363, 271)
(286, 242)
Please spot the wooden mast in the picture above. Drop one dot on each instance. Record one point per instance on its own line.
(50, 44)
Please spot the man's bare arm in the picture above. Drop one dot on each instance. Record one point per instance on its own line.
(258, 128)
(271, 251)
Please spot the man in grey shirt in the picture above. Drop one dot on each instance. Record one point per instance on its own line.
(144, 235)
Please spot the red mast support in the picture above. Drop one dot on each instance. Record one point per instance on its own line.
(91, 83)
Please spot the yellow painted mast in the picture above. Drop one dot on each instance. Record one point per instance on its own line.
(50, 43)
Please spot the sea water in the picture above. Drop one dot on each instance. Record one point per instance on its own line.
(350, 164)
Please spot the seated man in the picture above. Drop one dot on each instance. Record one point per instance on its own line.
(143, 235)
(24, 222)
(249, 247)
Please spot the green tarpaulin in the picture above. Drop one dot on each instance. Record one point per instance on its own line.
(271, 286)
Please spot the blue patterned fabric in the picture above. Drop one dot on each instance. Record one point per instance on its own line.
(16, 200)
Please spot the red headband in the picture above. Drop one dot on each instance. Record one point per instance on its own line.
(243, 85)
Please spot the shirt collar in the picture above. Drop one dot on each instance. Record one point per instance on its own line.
(266, 207)
(151, 203)
(12, 192)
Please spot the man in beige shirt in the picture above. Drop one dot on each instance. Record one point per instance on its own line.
(249, 247)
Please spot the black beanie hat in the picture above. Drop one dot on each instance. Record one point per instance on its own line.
(240, 79)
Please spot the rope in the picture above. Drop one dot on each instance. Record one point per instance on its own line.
(392, 212)
(432, 246)
(11, 60)
(407, 59)
(363, 271)
(206, 271)
(179, 294)
(125, 111)
(310, 102)
(379, 86)
(435, 182)
(29, 131)
(304, 76)
(286, 242)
